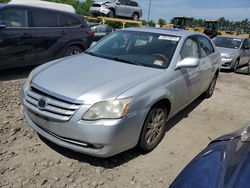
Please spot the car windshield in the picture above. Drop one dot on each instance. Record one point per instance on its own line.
(227, 42)
(139, 48)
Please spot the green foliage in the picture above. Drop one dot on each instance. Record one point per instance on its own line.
(162, 22)
(151, 23)
(4, 1)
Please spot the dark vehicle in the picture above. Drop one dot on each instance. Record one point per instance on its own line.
(32, 35)
(100, 30)
(224, 163)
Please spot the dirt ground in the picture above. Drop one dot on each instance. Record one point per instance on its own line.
(29, 161)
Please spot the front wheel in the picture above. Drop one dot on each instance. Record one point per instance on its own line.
(211, 87)
(153, 129)
(236, 65)
(111, 13)
(135, 17)
(73, 50)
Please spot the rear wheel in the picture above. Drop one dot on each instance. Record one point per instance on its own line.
(211, 87)
(73, 50)
(135, 16)
(153, 129)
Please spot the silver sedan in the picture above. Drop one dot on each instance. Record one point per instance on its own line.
(120, 93)
(235, 51)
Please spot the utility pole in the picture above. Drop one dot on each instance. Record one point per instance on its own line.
(149, 10)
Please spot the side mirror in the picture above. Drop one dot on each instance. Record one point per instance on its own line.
(2, 25)
(246, 47)
(118, 3)
(189, 62)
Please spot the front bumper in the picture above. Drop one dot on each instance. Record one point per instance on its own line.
(227, 63)
(99, 11)
(102, 138)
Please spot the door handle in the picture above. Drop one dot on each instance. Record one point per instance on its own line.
(25, 35)
(63, 33)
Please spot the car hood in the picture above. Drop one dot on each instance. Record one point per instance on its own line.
(227, 51)
(224, 163)
(91, 79)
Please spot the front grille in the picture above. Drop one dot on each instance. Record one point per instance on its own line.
(96, 5)
(55, 109)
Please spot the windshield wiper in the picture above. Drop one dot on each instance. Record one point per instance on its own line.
(126, 61)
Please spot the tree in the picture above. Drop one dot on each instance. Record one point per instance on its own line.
(4, 1)
(151, 23)
(162, 22)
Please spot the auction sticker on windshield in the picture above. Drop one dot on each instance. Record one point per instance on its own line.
(169, 38)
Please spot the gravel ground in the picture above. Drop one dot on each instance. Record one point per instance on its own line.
(26, 160)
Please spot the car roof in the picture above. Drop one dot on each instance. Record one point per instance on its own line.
(43, 4)
(164, 31)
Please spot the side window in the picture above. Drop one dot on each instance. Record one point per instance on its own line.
(189, 49)
(14, 17)
(246, 44)
(122, 2)
(45, 19)
(206, 46)
(128, 2)
(68, 21)
(134, 4)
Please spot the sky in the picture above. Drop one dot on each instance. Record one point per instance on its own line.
(235, 10)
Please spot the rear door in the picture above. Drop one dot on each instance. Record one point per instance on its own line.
(208, 61)
(121, 9)
(50, 38)
(245, 52)
(16, 40)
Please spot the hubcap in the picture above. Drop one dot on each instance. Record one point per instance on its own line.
(155, 126)
(74, 52)
(136, 17)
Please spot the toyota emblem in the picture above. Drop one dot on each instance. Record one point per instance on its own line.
(42, 103)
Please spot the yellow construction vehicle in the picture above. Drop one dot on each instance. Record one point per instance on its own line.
(180, 23)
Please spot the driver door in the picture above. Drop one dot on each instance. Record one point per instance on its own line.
(16, 39)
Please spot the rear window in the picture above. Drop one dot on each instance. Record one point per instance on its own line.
(69, 21)
(45, 19)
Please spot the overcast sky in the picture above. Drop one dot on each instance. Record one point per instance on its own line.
(205, 9)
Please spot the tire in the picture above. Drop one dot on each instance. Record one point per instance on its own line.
(236, 65)
(211, 88)
(135, 16)
(111, 13)
(73, 50)
(154, 129)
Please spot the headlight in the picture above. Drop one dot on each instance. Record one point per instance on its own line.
(113, 109)
(227, 57)
(29, 79)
